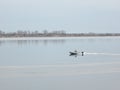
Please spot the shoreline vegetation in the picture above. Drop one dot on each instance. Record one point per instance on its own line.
(45, 33)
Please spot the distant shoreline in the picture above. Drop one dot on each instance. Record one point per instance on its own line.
(45, 33)
(59, 35)
(54, 38)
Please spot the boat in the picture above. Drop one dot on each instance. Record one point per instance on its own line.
(76, 53)
(73, 53)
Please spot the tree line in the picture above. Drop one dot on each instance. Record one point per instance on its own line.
(21, 33)
(57, 33)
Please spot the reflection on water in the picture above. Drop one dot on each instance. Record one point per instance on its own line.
(23, 42)
(38, 51)
(59, 40)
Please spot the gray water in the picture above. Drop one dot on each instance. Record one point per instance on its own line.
(45, 64)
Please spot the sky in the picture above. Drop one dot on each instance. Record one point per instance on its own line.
(75, 16)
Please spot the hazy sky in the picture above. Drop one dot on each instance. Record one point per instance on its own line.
(68, 15)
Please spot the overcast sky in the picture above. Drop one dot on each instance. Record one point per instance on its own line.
(69, 15)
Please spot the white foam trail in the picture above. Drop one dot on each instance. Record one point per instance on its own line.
(111, 54)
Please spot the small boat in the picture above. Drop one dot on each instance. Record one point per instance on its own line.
(73, 53)
(76, 53)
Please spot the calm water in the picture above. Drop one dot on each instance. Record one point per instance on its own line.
(45, 64)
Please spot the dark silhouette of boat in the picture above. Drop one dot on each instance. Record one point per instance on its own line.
(73, 53)
(76, 53)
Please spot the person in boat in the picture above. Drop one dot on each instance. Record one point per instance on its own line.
(82, 53)
(75, 51)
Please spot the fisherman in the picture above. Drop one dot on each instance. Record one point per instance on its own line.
(82, 53)
(75, 51)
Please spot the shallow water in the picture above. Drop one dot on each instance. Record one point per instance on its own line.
(45, 64)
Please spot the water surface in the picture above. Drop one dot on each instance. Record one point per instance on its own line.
(45, 64)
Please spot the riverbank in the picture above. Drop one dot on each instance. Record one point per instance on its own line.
(58, 38)
(53, 34)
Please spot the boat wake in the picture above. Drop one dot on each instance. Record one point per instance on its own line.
(92, 53)
(111, 54)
